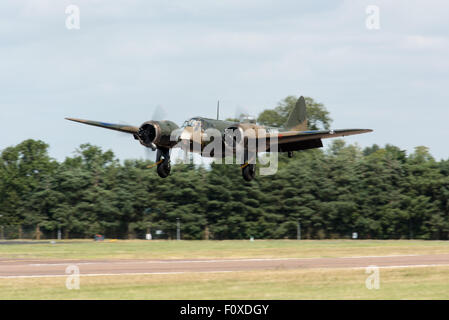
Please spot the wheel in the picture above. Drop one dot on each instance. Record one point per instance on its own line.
(163, 169)
(249, 172)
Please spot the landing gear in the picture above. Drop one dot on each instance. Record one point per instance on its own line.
(249, 172)
(290, 154)
(249, 169)
(163, 169)
(163, 162)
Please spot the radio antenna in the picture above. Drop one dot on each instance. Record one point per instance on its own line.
(218, 108)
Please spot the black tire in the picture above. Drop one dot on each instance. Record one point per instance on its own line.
(163, 169)
(249, 172)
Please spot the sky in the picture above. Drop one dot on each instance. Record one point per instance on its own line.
(131, 59)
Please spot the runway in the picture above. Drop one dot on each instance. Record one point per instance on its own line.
(24, 268)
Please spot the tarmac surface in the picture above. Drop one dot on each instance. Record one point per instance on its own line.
(24, 268)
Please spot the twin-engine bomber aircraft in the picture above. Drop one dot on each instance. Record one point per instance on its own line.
(195, 136)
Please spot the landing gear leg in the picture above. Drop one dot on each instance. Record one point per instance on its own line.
(163, 167)
(290, 154)
(249, 172)
(249, 169)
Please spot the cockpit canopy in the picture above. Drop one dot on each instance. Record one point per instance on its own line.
(198, 121)
(193, 122)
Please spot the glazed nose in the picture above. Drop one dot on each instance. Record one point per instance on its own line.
(186, 133)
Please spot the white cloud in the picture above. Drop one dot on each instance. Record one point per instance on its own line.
(426, 42)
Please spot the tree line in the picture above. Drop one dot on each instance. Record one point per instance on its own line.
(380, 193)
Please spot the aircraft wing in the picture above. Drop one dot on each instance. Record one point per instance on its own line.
(286, 137)
(111, 126)
(293, 136)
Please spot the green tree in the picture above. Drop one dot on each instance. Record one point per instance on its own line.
(24, 170)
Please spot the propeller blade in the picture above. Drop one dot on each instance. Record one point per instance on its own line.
(158, 115)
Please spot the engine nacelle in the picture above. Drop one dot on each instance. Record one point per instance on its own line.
(156, 133)
(238, 134)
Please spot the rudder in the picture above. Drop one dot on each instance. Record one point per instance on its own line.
(297, 119)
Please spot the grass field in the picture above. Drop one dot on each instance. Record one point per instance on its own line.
(407, 283)
(140, 249)
(395, 283)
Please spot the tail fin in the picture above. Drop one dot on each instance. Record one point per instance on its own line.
(297, 119)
